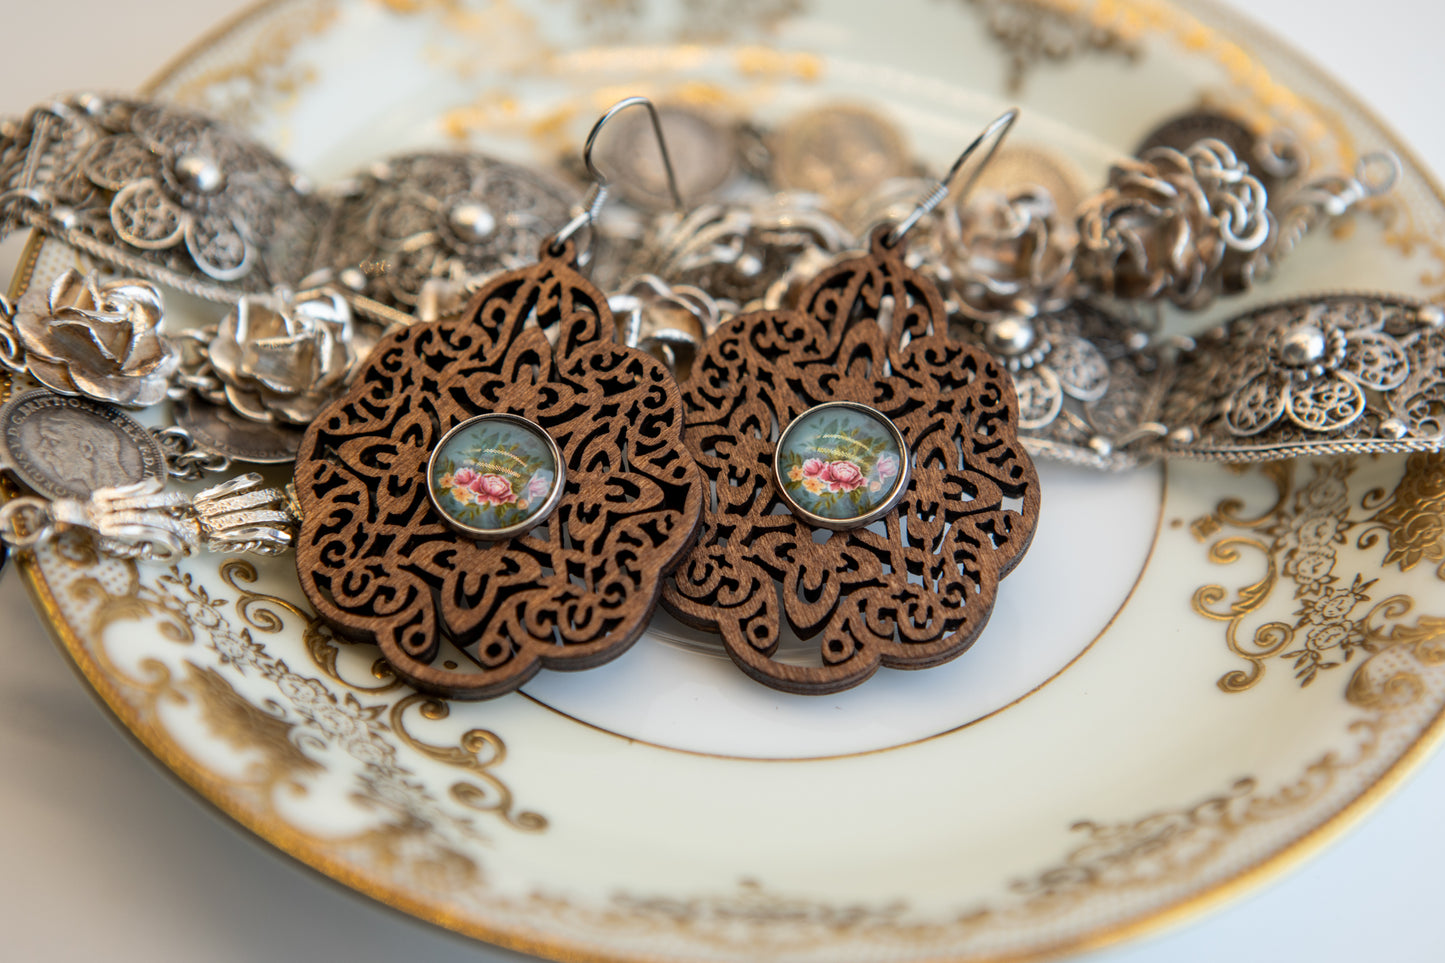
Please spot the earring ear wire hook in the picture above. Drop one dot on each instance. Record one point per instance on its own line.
(993, 135)
(599, 178)
(601, 185)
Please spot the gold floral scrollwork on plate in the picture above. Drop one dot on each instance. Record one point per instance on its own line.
(1412, 517)
(1172, 844)
(1161, 847)
(321, 643)
(1338, 610)
(292, 726)
(1034, 32)
(477, 751)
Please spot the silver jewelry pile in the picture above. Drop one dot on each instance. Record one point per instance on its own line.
(1064, 288)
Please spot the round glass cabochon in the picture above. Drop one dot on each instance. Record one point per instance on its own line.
(841, 465)
(495, 475)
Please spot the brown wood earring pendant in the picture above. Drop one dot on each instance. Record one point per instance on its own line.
(514, 482)
(867, 478)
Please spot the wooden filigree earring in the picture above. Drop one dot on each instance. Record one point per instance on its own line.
(512, 482)
(868, 484)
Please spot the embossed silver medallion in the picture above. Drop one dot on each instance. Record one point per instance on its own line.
(438, 215)
(68, 447)
(704, 156)
(839, 151)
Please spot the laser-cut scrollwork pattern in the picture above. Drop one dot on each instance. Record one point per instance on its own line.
(378, 561)
(910, 592)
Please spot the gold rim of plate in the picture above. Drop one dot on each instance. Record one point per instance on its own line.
(309, 853)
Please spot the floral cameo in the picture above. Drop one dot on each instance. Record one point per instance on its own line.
(399, 478)
(841, 465)
(912, 589)
(496, 475)
(100, 339)
(283, 357)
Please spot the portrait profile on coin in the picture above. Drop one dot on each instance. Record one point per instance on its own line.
(67, 447)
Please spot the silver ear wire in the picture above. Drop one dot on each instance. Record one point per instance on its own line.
(993, 135)
(597, 194)
(599, 178)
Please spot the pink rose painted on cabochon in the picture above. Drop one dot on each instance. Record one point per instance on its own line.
(813, 467)
(464, 477)
(493, 489)
(841, 476)
(538, 485)
(886, 466)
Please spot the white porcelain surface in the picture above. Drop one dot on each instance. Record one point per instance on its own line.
(1113, 710)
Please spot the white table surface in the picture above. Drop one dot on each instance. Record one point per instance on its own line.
(104, 857)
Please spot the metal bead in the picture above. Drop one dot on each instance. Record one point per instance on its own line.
(1430, 314)
(1181, 436)
(199, 173)
(1302, 345)
(1009, 337)
(353, 278)
(1394, 428)
(472, 220)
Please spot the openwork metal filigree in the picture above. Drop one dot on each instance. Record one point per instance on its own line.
(1009, 255)
(1087, 392)
(913, 590)
(1328, 375)
(379, 562)
(158, 191)
(1174, 224)
(742, 253)
(1191, 225)
(438, 216)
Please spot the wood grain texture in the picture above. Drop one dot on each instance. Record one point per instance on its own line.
(378, 562)
(911, 592)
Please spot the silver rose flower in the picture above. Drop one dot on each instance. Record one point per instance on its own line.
(737, 252)
(101, 340)
(669, 322)
(1010, 255)
(1183, 225)
(281, 357)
